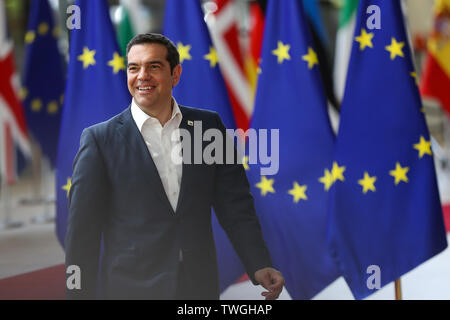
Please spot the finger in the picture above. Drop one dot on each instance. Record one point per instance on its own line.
(271, 296)
(276, 294)
(276, 287)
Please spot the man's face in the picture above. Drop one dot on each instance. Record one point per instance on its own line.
(149, 79)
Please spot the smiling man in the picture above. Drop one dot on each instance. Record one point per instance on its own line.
(153, 214)
(151, 75)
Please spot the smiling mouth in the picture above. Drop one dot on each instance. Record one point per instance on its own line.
(145, 89)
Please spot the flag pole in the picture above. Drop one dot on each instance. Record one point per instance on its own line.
(398, 289)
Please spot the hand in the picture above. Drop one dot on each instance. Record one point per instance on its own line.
(271, 280)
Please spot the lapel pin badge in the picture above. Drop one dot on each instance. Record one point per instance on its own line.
(190, 123)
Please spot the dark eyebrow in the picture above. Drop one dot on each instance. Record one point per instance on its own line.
(150, 62)
(155, 62)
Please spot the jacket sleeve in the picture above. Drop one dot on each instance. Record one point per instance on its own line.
(88, 199)
(235, 211)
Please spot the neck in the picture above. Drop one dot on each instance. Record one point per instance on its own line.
(163, 114)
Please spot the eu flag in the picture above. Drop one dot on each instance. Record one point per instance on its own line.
(385, 214)
(43, 79)
(291, 203)
(96, 90)
(202, 86)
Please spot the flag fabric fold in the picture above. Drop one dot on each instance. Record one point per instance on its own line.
(291, 204)
(96, 90)
(385, 212)
(202, 86)
(43, 79)
(13, 127)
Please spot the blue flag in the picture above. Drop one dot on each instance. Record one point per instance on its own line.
(96, 90)
(202, 86)
(291, 204)
(43, 79)
(385, 212)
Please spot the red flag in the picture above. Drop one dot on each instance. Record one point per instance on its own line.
(436, 74)
(13, 129)
(225, 35)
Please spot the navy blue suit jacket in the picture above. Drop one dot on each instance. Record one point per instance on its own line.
(117, 194)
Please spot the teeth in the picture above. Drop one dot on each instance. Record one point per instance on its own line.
(146, 88)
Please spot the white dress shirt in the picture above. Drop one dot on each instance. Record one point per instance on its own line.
(160, 145)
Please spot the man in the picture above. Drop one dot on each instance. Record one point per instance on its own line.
(153, 213)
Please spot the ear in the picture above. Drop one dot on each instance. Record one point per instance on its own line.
(176, 75)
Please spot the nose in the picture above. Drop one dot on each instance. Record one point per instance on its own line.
(144, 74)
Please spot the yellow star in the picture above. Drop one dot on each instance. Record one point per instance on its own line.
(368, 183)
(87, 57)
(30, 36)
(424, 147)
(399, 173)
(282, 52)
(337, 172)
(43, 28)
(117, 63)
(298, 192)
(184, 52)
(311, 57)
(61, 99)
(414, 75)
(52, 107)
(212, 57)
(23, 93)
(67, 186)
(395, 48)
(36, 105)
(327, 180)
(364, 39)
(245, 163)
(266, 185)
(56, 31)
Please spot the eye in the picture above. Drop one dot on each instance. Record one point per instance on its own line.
(155, 66)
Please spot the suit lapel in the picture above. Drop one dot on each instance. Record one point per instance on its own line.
(143, 161)
(188, 170)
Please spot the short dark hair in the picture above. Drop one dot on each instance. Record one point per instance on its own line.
(172, 53)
